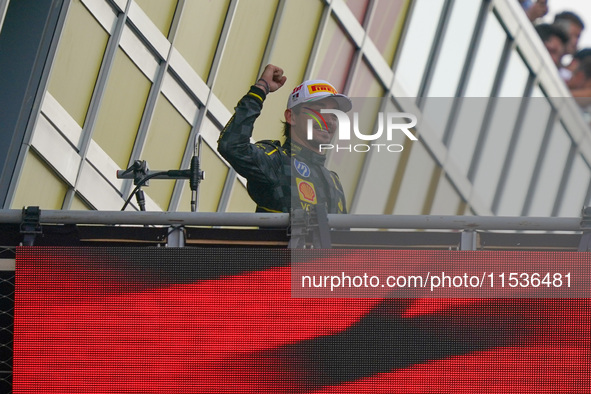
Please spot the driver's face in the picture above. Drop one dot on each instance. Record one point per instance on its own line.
(324, 126)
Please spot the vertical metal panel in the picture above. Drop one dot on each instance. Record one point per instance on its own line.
(564, 180)
(153, 97)
(435, 48)
(27, 47)
(316, 47)
(467, 68)
(272, 35)
(97, 98)
(540, 157)
(212, 75)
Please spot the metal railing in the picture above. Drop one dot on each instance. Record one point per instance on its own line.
(422, 222)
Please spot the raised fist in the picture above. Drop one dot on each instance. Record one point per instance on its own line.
(273, 76)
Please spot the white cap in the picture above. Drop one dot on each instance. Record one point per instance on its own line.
(316, 90)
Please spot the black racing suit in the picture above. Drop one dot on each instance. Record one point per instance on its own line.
(279, 176)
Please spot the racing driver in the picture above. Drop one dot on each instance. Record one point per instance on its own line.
(279, 174)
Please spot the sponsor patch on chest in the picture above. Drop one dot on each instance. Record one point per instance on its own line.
(302, 168)
(306, 191)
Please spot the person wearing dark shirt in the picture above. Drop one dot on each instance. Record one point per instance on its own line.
(282, 176)
(555, 41)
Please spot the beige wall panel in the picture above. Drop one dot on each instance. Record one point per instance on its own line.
(78, 61)
(160, 12)
(464, 209)
(291, 51)
(386, 26)
(240, 201)
(39, 186)
(164, 148)
(199, 31)
(447, 201)
(78, 204)
(377, 186)
(348, 162)
(348, 165)
(210, 188)
(365, 84)
(334, 56)
(121, 111)
(416, 182)
(244, 50)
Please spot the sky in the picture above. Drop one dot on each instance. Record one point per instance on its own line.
(580, 7)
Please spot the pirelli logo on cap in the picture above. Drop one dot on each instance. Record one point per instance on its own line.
(321, 87)
(306, 191)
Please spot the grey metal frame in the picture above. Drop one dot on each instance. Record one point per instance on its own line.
(28, 120)
(434, 53)
(431, 222)
(97, 97)
(231, 175)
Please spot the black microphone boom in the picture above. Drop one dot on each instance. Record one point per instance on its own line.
(140, 174)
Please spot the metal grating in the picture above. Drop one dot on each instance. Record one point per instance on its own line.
(6, 329)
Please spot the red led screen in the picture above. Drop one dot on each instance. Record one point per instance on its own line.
(157, 320)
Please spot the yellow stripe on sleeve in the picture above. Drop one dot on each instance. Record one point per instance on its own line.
(255, 95)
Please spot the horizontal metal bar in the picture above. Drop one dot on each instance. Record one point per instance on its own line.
(434, 222)
(152, 218)
(282, 220)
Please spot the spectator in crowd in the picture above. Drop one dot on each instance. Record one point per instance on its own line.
(573, 25)
(580, 82)
(555, 41)
(580, 85)
(574, 63)
(534, 9)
